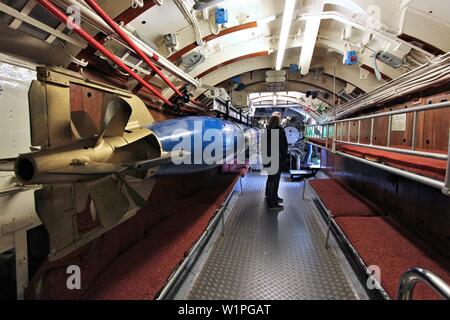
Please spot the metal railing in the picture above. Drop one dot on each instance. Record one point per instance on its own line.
(333, 133)
(412, 277)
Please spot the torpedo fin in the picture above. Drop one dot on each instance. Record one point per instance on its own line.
(135, 196)
(83, 124)
(117, 115)
(109, 201)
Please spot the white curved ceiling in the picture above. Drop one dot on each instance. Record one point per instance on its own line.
(367, 25)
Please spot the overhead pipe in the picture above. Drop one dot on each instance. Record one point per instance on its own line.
(95, 21)
(435, 70)
(94, 5)
(181, 4)
(86, 36)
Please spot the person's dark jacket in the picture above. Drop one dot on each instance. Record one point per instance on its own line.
(282, 144)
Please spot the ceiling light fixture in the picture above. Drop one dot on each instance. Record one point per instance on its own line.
(289, 6)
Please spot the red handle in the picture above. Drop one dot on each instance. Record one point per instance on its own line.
(94, 5)
(63, 18)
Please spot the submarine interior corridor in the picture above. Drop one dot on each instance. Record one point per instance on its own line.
(141, 143)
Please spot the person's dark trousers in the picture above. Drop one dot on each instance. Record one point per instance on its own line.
(273, 183)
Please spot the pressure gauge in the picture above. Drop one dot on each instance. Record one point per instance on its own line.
(292, 134)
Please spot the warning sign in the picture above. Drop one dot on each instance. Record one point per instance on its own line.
(399, 122)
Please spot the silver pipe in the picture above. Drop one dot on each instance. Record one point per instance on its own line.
(372, 127)
(412, 176)
(349, 129)
(389, 131)
(316, 145)
(404, 151)
(333, 148)
(397, 112)
(414, 134)
(399, 85)
(412, 277)
(359, 131)
(446, 189)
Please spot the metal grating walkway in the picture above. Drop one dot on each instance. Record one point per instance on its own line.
(270, 255)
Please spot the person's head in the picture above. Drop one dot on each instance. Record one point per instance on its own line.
(274, 121)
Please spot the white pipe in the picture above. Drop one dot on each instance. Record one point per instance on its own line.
(337, 16)
(183, 7)
(308, 44)
(289, 6)
(428, 74)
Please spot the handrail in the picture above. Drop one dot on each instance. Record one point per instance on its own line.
(396, 112)
(412, 277)
(372, 117)
(329, 132)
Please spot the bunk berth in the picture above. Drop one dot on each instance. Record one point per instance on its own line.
(432, 168)
(372, 239)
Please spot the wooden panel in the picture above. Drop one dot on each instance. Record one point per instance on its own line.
(380, 131)
(92, 104)
(434, 125)
(88, 100)
(365, 131)
(403, 138)
(345, 128)
(354, 131)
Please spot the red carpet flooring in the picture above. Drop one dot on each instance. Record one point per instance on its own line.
(141, 271)
(381, 242)
(339, 200)
(135, 259)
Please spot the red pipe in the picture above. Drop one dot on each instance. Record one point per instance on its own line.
(63, 18)
(94, 5)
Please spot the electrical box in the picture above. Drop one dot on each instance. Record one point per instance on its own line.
(171, 41)
(236, 79)
(351, 58)
(240, 99)
(221, 16)
(293, 68)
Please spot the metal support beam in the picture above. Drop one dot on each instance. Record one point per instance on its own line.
(372, 126)
(349, 130)
(446, 188)
(16, 23)
(414, 134)
(359, 131)
(404, 151)
(389, 131)
(36, 23)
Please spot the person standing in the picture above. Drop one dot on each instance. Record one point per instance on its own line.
(273, 180)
